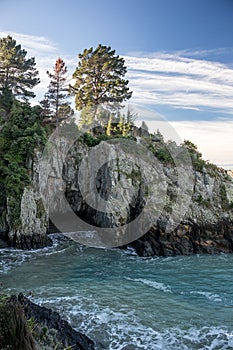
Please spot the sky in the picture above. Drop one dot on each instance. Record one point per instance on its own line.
(179, 55)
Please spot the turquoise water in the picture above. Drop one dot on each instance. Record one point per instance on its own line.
(122, 301)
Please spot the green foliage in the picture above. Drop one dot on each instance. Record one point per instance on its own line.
(109, 126)
(199, 198)
(207, 203)
(198, 164)
(86, 117)
(43, 333)
(90, 140)
(190, 146)
(19, 137)
(31, 324)
(100, 79)
(196, 157)
(6, 101)
(103, 137)
(164, 155)
(223, 193)
(3, 299)
(18, 74)
(123, 126)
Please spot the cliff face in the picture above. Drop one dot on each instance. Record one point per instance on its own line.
(182, 210)
(182, 218)
(207, 226)
(31, 229)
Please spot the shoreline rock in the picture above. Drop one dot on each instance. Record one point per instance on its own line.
(187, 239)
(28, 326)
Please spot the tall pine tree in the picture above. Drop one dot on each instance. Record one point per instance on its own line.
(17, 73)
(100, 79)
(55, 104)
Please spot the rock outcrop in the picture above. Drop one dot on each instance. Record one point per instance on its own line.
(184, 218)
(30, 232)
(14, 330)
(207, 226)
(27, 326)
(186, 206)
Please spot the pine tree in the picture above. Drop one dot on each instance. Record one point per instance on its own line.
(109, 126)
(18, 74)
(86, 117)
(55, 106)
(100, 79)
(46, 113)
(123, 126)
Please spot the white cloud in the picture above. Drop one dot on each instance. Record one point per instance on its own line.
(35, 45)
(181, 82)
(169, 79)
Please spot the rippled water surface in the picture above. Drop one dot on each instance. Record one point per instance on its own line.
(122, 301)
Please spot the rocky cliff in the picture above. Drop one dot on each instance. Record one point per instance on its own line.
(30, 229)
(139, 192)
(187, 205)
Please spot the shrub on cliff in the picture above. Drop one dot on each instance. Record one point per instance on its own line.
(19, 137)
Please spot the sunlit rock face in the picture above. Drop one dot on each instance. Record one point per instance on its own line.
(109, 186)
(201, 223)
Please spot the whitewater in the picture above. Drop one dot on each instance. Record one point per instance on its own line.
(123, 301)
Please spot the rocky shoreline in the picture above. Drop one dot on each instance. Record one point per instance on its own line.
(27, 326)
(187, 239)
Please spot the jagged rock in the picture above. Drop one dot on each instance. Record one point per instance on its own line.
(187, 238)
(65, 334)
(202, 225)
(121, 174)
(27, 326)
(31, 230)
(32, 233)
(14, 330)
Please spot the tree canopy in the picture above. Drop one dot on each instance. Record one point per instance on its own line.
(100, 78)
(22, 126)
(18, 74)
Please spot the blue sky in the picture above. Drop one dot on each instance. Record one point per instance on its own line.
(179, 55)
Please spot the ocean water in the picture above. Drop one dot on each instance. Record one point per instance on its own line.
(122, 301)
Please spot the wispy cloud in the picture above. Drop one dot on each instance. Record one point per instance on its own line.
(167, 79)
(35, 45)
(181, 82)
